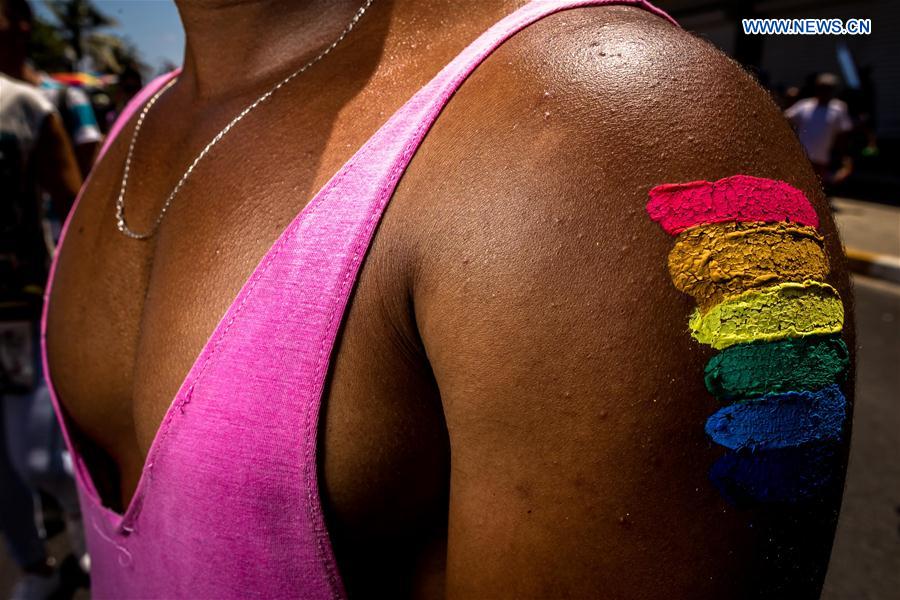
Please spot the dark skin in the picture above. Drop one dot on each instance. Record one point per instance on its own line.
(515, 407)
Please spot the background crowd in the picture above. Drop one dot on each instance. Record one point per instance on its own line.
(62, 85)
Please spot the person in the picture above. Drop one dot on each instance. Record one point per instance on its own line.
(822, 123)
(457, 369)
(77, 114)
(128, 84)
(78, 117)
(71, 103)
(35, 157)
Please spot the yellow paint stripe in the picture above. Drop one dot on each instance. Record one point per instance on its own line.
(786, 310)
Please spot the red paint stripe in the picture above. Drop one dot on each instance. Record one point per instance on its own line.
(739, 198)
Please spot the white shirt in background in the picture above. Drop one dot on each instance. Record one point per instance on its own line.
(23, 109)
(819, 125)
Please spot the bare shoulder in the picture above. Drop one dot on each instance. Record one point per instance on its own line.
(579, 116)
(572, 388)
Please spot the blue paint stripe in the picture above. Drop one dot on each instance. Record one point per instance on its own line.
(780, 420)
(783, 476)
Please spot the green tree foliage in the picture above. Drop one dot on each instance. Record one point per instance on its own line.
(48, 49)
(78, 19)
(112, 54)
(74, 34)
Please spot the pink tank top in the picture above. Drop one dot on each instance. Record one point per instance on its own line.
(228, 503)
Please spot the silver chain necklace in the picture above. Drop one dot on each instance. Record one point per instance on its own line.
(120, 201)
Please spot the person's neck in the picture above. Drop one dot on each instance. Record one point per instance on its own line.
(234, 45)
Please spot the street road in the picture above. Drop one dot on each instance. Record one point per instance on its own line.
(865, 564)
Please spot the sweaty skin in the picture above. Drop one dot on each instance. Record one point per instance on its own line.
(495, 425)
(710, 262)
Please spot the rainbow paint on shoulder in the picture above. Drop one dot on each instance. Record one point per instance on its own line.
(748, 251)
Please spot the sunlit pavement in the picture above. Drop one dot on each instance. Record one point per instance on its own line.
(871, 236)
(866, 560)
(865, 564)
(868, 226)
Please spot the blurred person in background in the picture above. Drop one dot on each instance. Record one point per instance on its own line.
(35, 158)
(72, 104)
(823, 125)
(77, 112)
(129, 82)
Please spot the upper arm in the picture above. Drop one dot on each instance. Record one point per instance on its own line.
(573, 391)
(58, 171)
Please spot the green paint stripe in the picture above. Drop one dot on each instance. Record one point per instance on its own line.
(792, 365)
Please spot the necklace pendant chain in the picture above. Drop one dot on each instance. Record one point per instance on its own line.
(121, 223)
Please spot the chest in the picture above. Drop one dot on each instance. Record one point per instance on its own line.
(131, 316)
(130, 320)
(240, 435)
